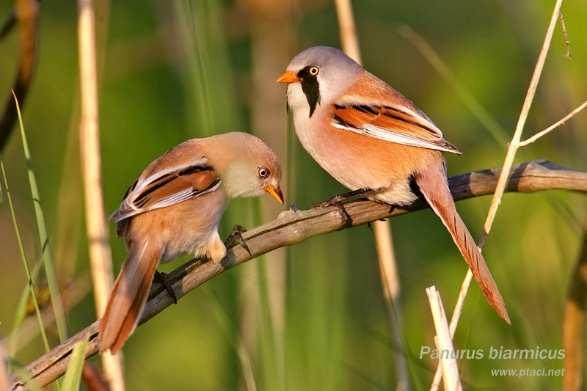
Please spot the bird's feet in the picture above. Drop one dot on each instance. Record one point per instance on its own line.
(339, 201)
(346, 197)
(236, 237)
(164, 280)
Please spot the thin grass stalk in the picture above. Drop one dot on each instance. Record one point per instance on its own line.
(552, 127)
(509, 158)
(28, 327)
(45, 247)
(515, 141)
(73, 375)
(68, 231)
(391, 291)
(248, 375)
(443, 340)
(271, 341)
(471, 103)
(96, 227)
(23, 257)
(21, 309)
(381, 229)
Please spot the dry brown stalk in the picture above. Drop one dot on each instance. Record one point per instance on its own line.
(443, 340)
(294, 227)
(381, 229)
(96, 227)
(507, 165)
(552, 127)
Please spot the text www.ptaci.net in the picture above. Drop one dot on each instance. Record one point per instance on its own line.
(527, 372)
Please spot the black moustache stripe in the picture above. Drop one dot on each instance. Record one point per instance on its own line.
(310, 88)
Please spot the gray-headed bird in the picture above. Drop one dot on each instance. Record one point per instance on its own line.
(369, 136)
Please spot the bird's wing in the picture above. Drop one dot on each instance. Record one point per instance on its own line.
(374, 109)
(168, 187)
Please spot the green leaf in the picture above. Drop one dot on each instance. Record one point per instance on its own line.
(43, 237)
(73, 374)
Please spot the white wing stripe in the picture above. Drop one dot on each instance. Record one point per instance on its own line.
(391, 136)
(128, 208)
(181, 196)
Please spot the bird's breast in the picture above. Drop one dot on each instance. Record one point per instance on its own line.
(359, 161)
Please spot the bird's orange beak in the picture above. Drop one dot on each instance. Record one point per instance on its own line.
(288, 77)
(275, 192)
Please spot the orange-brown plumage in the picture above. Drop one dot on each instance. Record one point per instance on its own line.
(367, 135)
(174, 208)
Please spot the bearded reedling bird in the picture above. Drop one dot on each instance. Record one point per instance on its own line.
(174, 208)
(369, 136)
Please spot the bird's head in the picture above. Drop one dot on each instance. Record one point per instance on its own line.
(318, 75)
(248, 168)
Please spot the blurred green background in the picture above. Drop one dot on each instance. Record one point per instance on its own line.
(311, 317)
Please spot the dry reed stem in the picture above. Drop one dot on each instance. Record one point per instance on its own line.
(443, 340)
(294, 227)
(391, 291)
(515, 142)
(552, 127)
(381, 229)
(510, 155)
(96, 227)
(348, 32)
(567, 41)
(454, 321)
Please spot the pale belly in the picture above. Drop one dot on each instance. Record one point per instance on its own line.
(358, 161)
(185, 228)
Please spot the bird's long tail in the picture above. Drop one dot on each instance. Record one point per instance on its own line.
(432, 182)
(128, 297)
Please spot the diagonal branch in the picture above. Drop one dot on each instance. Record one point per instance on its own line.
(294, 227)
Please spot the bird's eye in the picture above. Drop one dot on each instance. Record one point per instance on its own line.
(314, 70)
(262, 172)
